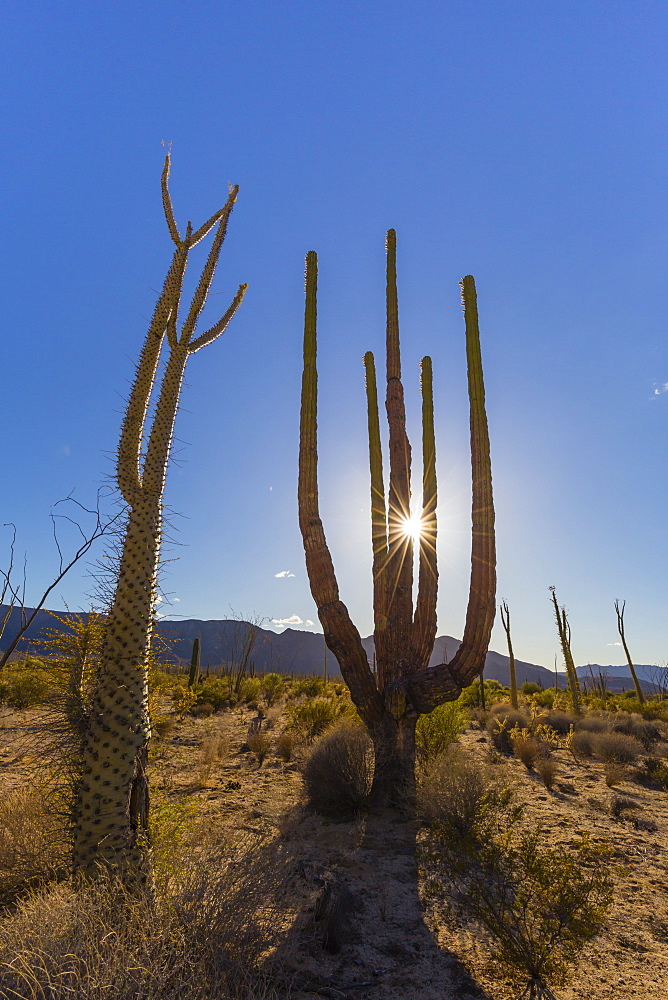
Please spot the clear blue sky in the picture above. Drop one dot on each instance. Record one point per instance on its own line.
(522, 142)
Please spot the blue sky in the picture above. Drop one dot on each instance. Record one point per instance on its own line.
(522, 142)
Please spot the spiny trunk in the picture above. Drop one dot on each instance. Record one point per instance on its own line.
(112, 803)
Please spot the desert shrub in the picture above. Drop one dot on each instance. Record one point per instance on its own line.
(538, 903)
(561, 722)
(436, 731)
(202, 710)
(530, 687)
(285, 745)
(312, 718)
(494, 692)
(206, 939)
(502, 719)
(214, 691)
(544, 699)
(33, 839)
(310, 687)
(527, 747)
(272, 687)
(455, 789)
(260, 745)
(547, 769)
(249, 689)
(28, 684)
(653, 772)
(645, 732)
(620, 804)
(614, 773)
(338, 771)
(616, 747)
(581, 743)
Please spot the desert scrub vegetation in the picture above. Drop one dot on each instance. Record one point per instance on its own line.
(314, 716)
(537, 903)
(435, 732)
(207, 937)
(455, 789)
(338, 770)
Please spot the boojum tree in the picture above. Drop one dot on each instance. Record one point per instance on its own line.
(564, 630)
(505, 621)
(111, 809)
(403, 686)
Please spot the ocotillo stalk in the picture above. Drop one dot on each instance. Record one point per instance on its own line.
(112, 805)
(193, 675)
(505, 619)
(565, 639)
(390, 697)
(622, 636)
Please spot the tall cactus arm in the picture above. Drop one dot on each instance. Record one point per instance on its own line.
(167, 202)
(341, 635)
(129, 447)
(399, 577)
(221, 326)
(207, 226)
(469, 659)
(432, 686)
(378, 511)
(424, 625)
(208, 272)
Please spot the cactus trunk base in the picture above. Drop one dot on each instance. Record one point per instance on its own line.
(394, 774)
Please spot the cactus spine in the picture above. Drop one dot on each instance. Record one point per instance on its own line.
(564, 630)
(193, 675)
(390, 698)
(111, 811)
(622, 635)
(505, 619)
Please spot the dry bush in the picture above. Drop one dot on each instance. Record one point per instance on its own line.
(452, 790)
(620, 803)
(561, 722)
(614, 773)
(581, 743)
(214, 746)
(547, 769)
(616, 747)
(527, 747)
(338, 771)
(259, 744)
(502, 719)
(285, 745)
(594, 722)
(645, 732)
(208, 939)
(33, 839)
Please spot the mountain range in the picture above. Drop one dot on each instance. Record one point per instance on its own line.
(294, 651)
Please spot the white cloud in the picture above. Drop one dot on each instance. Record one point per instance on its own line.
(292, 620)
(176, 600)
(613, 643)
(660, 387)
(283, 573)
(308, 622)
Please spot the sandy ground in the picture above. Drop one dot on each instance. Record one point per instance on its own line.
(396, 946)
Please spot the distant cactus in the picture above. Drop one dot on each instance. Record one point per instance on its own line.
(564, 630)
(505, 620)
(390, 698)
(112, 805)
(193, 676)
(622, 636)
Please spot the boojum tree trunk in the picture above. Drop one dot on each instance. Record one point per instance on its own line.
(622, 635)
(505, 621)
(564, 631)
(403, 686)
(111, 810)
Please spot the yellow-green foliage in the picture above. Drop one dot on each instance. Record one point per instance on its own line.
(436, 731)
(26, 684)
(272, 687)
(313, 717)
(494, 692)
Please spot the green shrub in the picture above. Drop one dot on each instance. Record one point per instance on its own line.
(530, 687)
(272, 687)
(214, 691)
(538, 903)
(494, 692)
(544, 699)
(436, 731)
(314, 716)
(28, 685)
(249, 689)
(338, 771)
(311, 687)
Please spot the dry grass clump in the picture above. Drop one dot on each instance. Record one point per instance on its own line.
(528, 748)
(33, 839)
(581, 743)
(285, 745)
(214, 746)
(259, 744)
(614, 773)
(338, 771)
(547, 769)
(616, 747)
(452, 790)
(207, 940)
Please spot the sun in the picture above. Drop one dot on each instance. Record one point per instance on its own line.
(412, 527)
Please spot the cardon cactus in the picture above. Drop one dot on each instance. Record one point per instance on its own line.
(111, 810)
(193, 674)
(403, 685)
